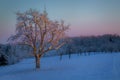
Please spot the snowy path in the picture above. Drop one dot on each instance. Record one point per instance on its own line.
(95, 67)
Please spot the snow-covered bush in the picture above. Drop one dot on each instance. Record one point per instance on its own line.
(7, 52)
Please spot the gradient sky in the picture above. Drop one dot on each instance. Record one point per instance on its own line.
(86, 17)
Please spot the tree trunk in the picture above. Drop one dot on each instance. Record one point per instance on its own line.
(60, 56)
(37, 57)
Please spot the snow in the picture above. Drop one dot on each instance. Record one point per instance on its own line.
(94, 67)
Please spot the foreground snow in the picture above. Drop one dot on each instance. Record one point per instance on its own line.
(95, 67)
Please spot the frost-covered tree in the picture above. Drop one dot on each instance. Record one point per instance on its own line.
(39, 32)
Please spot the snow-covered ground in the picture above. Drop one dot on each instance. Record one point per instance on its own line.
(94, 67)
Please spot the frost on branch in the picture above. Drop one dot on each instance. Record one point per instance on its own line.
(38, 31)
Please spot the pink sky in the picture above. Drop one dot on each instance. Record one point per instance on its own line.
(86, 17)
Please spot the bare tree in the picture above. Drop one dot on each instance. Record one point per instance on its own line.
(38, 31)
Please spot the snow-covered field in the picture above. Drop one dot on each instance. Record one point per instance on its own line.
(94, 67)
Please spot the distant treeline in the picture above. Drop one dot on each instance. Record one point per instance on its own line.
(104, 43)
(10, 54)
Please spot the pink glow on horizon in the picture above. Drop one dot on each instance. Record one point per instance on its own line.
(90, 29)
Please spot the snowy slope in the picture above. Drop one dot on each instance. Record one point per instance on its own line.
(95, 67)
